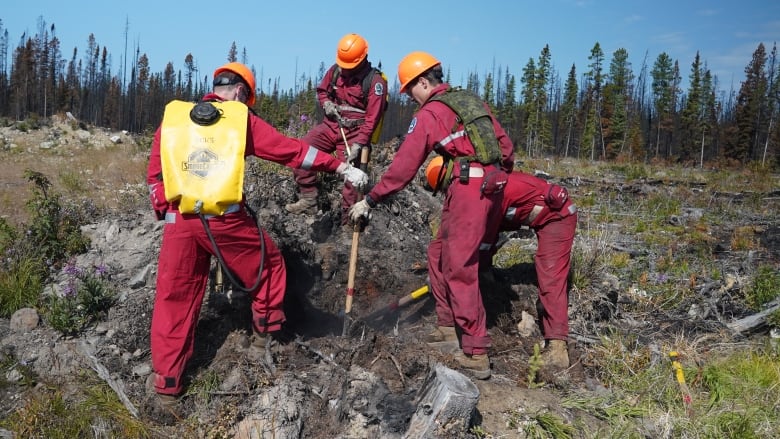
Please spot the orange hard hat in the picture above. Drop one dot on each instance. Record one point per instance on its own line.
(434, 171)
(414, 65)
(351, 51)
(245, 74)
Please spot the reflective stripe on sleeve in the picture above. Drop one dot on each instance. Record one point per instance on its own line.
(510, 214)
(308, 160)
(452, 137)
(532, 216)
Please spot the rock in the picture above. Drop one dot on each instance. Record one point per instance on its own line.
(527, 325)
(233, 381)
(140, 279)
(276, 414)
(101, 328)
(13, 376)
(25, 319)
(142, 369)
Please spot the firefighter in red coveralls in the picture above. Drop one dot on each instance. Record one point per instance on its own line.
(190, 142)
(469, 208)
(547, 210)
(353, 95)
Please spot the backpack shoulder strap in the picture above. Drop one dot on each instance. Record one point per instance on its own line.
(335, 71)
(368, 80)
(470, 111)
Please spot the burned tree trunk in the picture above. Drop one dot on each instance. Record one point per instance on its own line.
(754, 321)
(445, 405)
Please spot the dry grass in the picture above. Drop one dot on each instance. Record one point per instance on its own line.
(79, 166)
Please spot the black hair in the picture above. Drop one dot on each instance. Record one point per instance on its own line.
(434, 75)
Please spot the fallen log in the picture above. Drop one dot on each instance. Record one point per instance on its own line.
(446, 403)
(754, 321)
(103, 373)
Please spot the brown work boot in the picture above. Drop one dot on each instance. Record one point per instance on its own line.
(259, 340)
(443, 338)
(307, 203)
(261, 349)
(165, 409)
(556, 355)
(167, 401)
(262, 340)
(477, 365)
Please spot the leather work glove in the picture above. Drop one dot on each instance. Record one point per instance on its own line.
(354, 153)
(157, 197)
(359, 210)
(331, 110)
(358, 178)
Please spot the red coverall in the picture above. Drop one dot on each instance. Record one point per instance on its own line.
(183, 266)
(524, 205)
(467, 214)
(326, 136)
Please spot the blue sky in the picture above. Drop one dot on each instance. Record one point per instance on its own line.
(286, 40)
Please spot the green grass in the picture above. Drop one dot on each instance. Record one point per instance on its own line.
(733, 395)
(765, 287)
(204, 385)
(96, 412)
(10, 366)
(630, 171)
(72, 182)
(21, 284)
(510, 254)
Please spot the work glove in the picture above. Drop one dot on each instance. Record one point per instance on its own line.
(331, 110)
(359, 210)
(157, 197)
(354, 153)
(358, 178)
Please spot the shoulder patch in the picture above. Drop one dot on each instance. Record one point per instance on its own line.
(412, 124)
(378, 89)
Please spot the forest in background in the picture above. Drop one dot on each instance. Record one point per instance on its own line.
(608, 111)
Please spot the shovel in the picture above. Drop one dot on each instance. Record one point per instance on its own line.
(344, 137)
(357, 228)
(397, 303)
(416, 294)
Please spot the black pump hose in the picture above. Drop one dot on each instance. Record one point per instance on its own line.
(221, 260)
